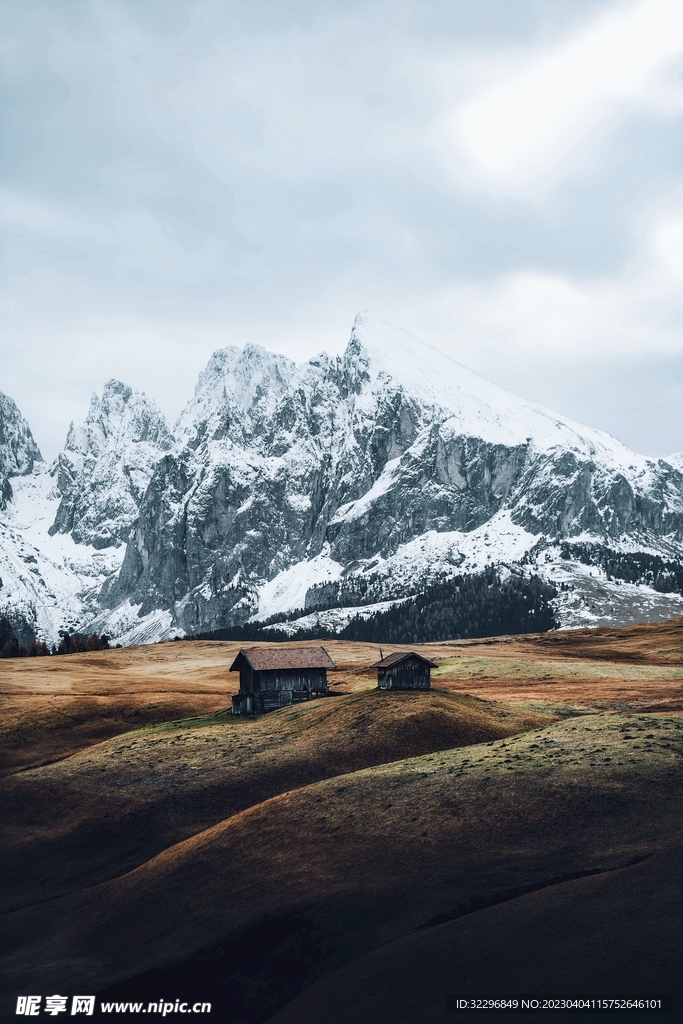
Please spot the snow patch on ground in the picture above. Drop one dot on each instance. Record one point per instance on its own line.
(591, 599)
(333, 619)
(124, 625)
(287, 591)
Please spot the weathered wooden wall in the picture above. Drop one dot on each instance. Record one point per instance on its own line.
(291, 679)
(266, 691)
(410, 674)
(246, 678)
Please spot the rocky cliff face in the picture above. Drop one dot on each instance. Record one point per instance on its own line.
(106, 465)
(18, 451)
(342, 466)
(46, 583)
(322, 487)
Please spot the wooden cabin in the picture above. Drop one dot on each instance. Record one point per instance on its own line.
(404, 670)
(272, 677)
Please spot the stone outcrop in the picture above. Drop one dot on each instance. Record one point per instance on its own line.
(18, 451)
(106, 466)
(353, 457)
(344, 481)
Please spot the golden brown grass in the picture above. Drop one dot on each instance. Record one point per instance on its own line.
(252, 857)
(50, 707)
(104, 810)
(365, 859)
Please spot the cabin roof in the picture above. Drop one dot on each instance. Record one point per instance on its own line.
(264, 659)
(397, 656)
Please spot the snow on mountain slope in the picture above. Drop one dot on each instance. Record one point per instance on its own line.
(588, 596)
(236, 396)
(287, 591)
(18, 450)
(130, 628)
(338, 484)
(332, 619)
(479, 407)
(48, 582)
(62, 530)
(391, 462)
(240, 501)
(433, 555)
(477, 437)
(106, 465)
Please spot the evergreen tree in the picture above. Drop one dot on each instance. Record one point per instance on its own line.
(464, 607)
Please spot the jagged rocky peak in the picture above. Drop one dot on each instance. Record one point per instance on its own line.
(18, 450)
(236, 395)
(445, 390)
(106, 465)
(380, 357)
(308, 473)
(120, 416)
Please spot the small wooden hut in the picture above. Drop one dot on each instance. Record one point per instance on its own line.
(272, 677)
(404, 670)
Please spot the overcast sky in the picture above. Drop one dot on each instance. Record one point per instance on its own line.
(503, 179)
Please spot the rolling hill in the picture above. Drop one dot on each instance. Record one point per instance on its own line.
(358, 858)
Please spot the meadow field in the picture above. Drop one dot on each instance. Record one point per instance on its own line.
(362, 857)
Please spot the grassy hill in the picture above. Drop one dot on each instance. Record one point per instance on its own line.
(105, 810)
(293, 888)
(52, 707)
(357, 858)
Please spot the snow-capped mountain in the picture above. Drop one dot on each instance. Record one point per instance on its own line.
(64, 527)
(345, 481)
(390, 464)
(18, 450)
(106, 465)
(48, 582)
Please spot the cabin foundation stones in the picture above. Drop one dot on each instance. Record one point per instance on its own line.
(273, 678)
(404, 670)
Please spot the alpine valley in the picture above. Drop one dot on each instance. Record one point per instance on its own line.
(306, 495)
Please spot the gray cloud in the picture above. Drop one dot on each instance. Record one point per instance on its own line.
(178, 176)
